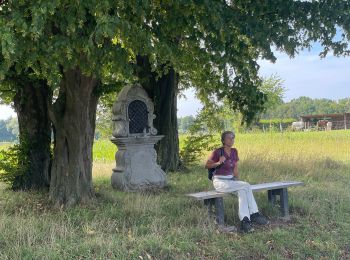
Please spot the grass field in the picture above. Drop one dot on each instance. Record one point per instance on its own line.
(4, 145)
(168, 225)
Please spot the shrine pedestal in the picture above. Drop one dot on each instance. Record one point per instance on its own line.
(136, 164)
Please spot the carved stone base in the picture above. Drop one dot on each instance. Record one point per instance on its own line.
(136, 164)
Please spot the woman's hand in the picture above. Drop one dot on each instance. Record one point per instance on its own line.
(211, 164)
(222, 159)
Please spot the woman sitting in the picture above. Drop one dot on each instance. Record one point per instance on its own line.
(225, 179)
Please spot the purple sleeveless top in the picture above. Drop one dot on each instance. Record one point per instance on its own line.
(229, 164)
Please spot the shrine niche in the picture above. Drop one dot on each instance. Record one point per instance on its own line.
(133, 133)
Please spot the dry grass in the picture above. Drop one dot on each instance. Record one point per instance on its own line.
(170, 226)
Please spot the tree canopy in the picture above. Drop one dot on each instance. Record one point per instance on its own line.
(214, 45)
(81, 50)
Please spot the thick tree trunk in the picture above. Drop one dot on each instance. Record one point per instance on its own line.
(30, 103)
(73, 115)
(163, 92)
(165, 100)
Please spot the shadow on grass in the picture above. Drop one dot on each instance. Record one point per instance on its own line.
(168, 225)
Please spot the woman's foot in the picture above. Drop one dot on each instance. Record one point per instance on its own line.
(259, 219)
(246, 225)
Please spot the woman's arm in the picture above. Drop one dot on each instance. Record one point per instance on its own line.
(235, 171)
(210, 162)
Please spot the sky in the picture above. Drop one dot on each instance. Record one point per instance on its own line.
(6, 112)
(305, 75)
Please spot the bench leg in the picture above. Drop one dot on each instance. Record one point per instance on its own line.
(284, 203)
(209, 203)
(283, 195)
(218, 203)
(271, 196)
(219, 211)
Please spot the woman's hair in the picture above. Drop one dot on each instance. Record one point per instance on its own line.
(223, 135)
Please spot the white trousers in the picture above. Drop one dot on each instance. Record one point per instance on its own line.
(246, 201)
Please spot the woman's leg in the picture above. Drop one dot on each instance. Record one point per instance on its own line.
(243, 207)
(247, 193)
(246, 201)
(253, 207)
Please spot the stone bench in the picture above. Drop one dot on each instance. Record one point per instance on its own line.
(215, 198)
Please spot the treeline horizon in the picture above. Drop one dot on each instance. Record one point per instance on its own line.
(287, 112)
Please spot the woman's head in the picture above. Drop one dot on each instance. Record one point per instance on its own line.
(227, 138)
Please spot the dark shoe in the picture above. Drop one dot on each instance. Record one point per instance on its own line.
(259, 219)
(246, 225)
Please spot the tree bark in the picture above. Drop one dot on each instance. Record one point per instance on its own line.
(73, 115)
(163, 92)
(30, 103)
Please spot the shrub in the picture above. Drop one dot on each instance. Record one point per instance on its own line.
(14, 164)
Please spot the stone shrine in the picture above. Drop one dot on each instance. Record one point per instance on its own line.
(133, 133)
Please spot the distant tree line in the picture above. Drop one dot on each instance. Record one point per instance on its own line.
(306, 106)
(184, 123)
(284, 113)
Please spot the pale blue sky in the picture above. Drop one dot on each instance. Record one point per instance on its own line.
(305, 75)
(6, 112)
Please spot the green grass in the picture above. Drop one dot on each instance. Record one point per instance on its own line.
(168, 225)
(4, 145)
(104, 151)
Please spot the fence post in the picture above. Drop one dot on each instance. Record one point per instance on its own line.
(345, 121)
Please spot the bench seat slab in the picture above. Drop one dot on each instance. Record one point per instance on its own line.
(214, 199)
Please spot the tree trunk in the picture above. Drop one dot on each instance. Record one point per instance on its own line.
(163, 92)
(73, 115)
(30, 103)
